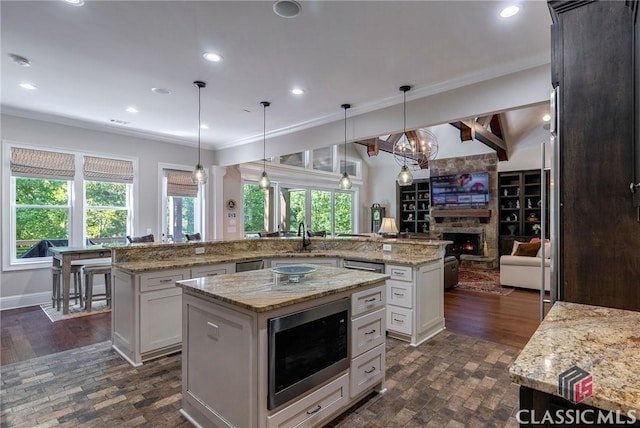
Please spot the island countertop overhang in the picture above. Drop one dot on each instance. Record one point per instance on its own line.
(155, 257)
(603, 341)
(264, 290)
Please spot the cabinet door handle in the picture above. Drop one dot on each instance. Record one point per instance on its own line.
(370, 332)
(399, 294)
(164, 281)
(316, 410)
(397, 320)
(373, 299)
(212, 274)
(371, 370)
(397, 272)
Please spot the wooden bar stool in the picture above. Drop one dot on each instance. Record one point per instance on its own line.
(56, 293)
(89, 272)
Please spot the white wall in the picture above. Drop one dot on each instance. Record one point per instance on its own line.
(55, 136)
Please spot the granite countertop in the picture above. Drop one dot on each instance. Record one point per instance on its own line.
(193, 261)
(263, 290)
(603, 341)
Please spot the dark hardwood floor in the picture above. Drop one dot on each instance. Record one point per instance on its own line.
(510, 320)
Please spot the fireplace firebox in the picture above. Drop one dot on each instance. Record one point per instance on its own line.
(463, 243)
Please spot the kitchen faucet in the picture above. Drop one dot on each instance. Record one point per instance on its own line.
(305, 241)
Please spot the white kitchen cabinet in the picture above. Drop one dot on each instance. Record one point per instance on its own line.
(146, 314)
(146, 320)
(212, 270)
(415, 301)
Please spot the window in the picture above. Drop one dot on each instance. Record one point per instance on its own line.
(255, 209)
(183, 206)
(107, 194)
(294, 159)
(44, 211)
(323, 159)
(320, 209)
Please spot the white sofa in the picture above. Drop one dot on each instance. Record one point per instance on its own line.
(521, 271)
(524, 271)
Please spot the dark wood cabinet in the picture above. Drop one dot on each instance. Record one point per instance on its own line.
(413, 208)
(593, 72)
(520, 194)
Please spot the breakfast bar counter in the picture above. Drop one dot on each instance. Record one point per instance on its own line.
(603, 342)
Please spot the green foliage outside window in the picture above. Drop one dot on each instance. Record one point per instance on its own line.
(107, 215)
(254, 208)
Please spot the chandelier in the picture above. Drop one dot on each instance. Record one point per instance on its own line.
(415, 149)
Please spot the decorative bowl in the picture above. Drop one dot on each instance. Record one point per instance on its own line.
(294, 273)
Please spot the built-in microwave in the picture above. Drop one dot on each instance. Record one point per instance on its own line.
(307, 348)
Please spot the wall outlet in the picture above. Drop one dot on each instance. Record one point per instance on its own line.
(386, 247)
(199, 250)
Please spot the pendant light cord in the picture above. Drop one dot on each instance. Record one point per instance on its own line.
(264, 137)
(404, 126)
(199, 125)
(345, 138)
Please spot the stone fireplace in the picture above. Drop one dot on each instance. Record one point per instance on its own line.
(480, 225)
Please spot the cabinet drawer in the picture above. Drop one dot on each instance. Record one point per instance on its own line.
(367, 370)
(399, 273)
(312, 409)
(160, 280)
(399, 319)
(367, 300)
(213, 270)
(367, 332)
(400, 293)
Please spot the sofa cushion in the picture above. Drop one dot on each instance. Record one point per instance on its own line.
(547, 250)
(527, 250)
(522, 261)
(516, 244)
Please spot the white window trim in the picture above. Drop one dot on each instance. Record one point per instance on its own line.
(76, 195)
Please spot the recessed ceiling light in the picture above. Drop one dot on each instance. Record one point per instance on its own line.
(20, 60)
(509, 11)
(213, 57)
(27, 85)
(546, 117)
(297, 91)
(75, 2)
(203, 126)
(161, 91)
(132, 110)
(286, 8)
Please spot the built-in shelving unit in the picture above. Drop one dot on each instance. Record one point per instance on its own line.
(520, 194)
(413, 208)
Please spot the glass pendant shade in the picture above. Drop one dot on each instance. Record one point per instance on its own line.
(199, 175)
(405, 178)
(264, 181)
(345, 182)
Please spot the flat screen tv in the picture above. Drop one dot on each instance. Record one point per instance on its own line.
(460, 190)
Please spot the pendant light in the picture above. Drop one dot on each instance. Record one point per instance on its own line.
(345, 181)
(405, 178)
(199, 175)
(264, 181)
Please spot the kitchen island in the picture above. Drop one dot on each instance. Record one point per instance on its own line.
(232, 358)
(603, 343)
(147, 307)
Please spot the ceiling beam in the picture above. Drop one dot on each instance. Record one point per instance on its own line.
(470, 129)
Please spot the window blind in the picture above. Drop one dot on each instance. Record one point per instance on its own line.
(179, 184)
(105, 169)
(41, 164)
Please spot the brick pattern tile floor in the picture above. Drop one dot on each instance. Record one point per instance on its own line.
(450, 381)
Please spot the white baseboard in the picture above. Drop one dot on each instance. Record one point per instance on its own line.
(24, 300)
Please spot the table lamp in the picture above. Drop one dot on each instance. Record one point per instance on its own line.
(388, 226)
